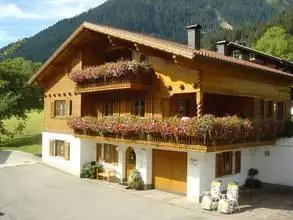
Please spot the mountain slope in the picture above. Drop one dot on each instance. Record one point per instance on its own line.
(162, 18)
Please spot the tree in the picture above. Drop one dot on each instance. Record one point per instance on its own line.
(16, 96)
(276, 41)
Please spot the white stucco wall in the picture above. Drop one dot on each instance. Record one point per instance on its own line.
(144, 163)
(274, 163)
(71, 166)
(201, 169)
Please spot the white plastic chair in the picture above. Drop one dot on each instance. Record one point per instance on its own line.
(211, 198)
(229, 201)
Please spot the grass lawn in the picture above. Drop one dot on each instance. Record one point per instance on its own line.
(30, 140)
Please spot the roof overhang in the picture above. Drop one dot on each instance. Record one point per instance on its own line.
(174, 49)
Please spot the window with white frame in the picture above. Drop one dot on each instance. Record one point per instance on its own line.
(237, 54)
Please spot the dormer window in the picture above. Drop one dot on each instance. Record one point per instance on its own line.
(251, 56)
(237, 54)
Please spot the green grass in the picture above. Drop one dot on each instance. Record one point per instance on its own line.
(30, 140)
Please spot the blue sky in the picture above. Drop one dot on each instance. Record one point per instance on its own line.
(25, 18)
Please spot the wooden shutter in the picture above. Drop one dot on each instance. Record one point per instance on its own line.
(165, 107)
(52, 109)
(116, 108)
(149, 110)
(131, 105)
(68, 107)
(52, 148)
(237, 162)
(99, 152)
(114, 154)
(66, 151)
(219, 165)
(101, 109)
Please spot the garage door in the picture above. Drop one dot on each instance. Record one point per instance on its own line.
(170, 171)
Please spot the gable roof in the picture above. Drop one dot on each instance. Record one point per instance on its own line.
(156, 43)
(278, 59)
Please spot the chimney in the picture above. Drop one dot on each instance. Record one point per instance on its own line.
(194, 40)
(222, 47)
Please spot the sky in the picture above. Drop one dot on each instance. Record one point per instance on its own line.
(25, 18)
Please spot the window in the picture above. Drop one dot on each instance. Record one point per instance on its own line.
(280, 111)
(183, 107)
(107, 153)
(262, 109)
(60, 148)
(237, 54)
(270, 109)
(144, 59)
(225, 165)
(109, 108)
(139, 108)
(60, 108)
(227, 156)
(237, 162)
(252, 56)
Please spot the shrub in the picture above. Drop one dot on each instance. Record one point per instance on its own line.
(135, 180)
(251, 182)
(288, 129)
(89, 170)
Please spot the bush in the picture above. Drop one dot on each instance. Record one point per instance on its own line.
(135, 180)
(89, 170)
(288, 129)
(251, 182)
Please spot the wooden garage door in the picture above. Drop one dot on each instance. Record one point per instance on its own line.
(170, 171)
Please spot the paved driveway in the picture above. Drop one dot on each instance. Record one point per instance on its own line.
(16, 158)
(39, 192)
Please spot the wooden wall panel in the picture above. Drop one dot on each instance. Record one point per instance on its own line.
(61, 87)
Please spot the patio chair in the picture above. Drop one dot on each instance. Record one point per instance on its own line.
(211, 198)
(229, 201)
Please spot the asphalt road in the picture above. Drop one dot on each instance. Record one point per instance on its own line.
(38, 192)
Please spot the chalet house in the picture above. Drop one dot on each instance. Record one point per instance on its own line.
(241, 51)
(133, 101)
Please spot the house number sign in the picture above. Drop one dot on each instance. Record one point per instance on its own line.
(193, 162)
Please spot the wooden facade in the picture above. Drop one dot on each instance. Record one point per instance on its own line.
(203, 85)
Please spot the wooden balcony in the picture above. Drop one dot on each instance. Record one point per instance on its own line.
(135, 82)
(164, 145)
(226, 133)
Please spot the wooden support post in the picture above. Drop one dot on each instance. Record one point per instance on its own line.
(199, 96)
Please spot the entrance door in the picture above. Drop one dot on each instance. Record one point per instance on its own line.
(170, 171)
(130, 161)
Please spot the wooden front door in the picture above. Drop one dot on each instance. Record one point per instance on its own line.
(170, 171)
(130, 161)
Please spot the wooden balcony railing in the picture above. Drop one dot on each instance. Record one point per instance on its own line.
(129, 81)
(178, 134)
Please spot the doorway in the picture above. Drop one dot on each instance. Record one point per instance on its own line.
(130, 161)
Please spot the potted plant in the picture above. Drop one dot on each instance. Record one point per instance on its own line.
(251, 182)
(135, 180)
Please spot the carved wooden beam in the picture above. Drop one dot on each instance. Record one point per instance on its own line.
(137, 48)
(175, 59)
(111, 41)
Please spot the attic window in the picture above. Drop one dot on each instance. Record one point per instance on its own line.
(237, 54)
(251, 56)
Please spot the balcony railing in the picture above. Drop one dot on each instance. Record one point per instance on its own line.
(113, 76)
(208, 131)
(128, 81)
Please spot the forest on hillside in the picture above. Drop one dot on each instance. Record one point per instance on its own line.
(165, 19)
